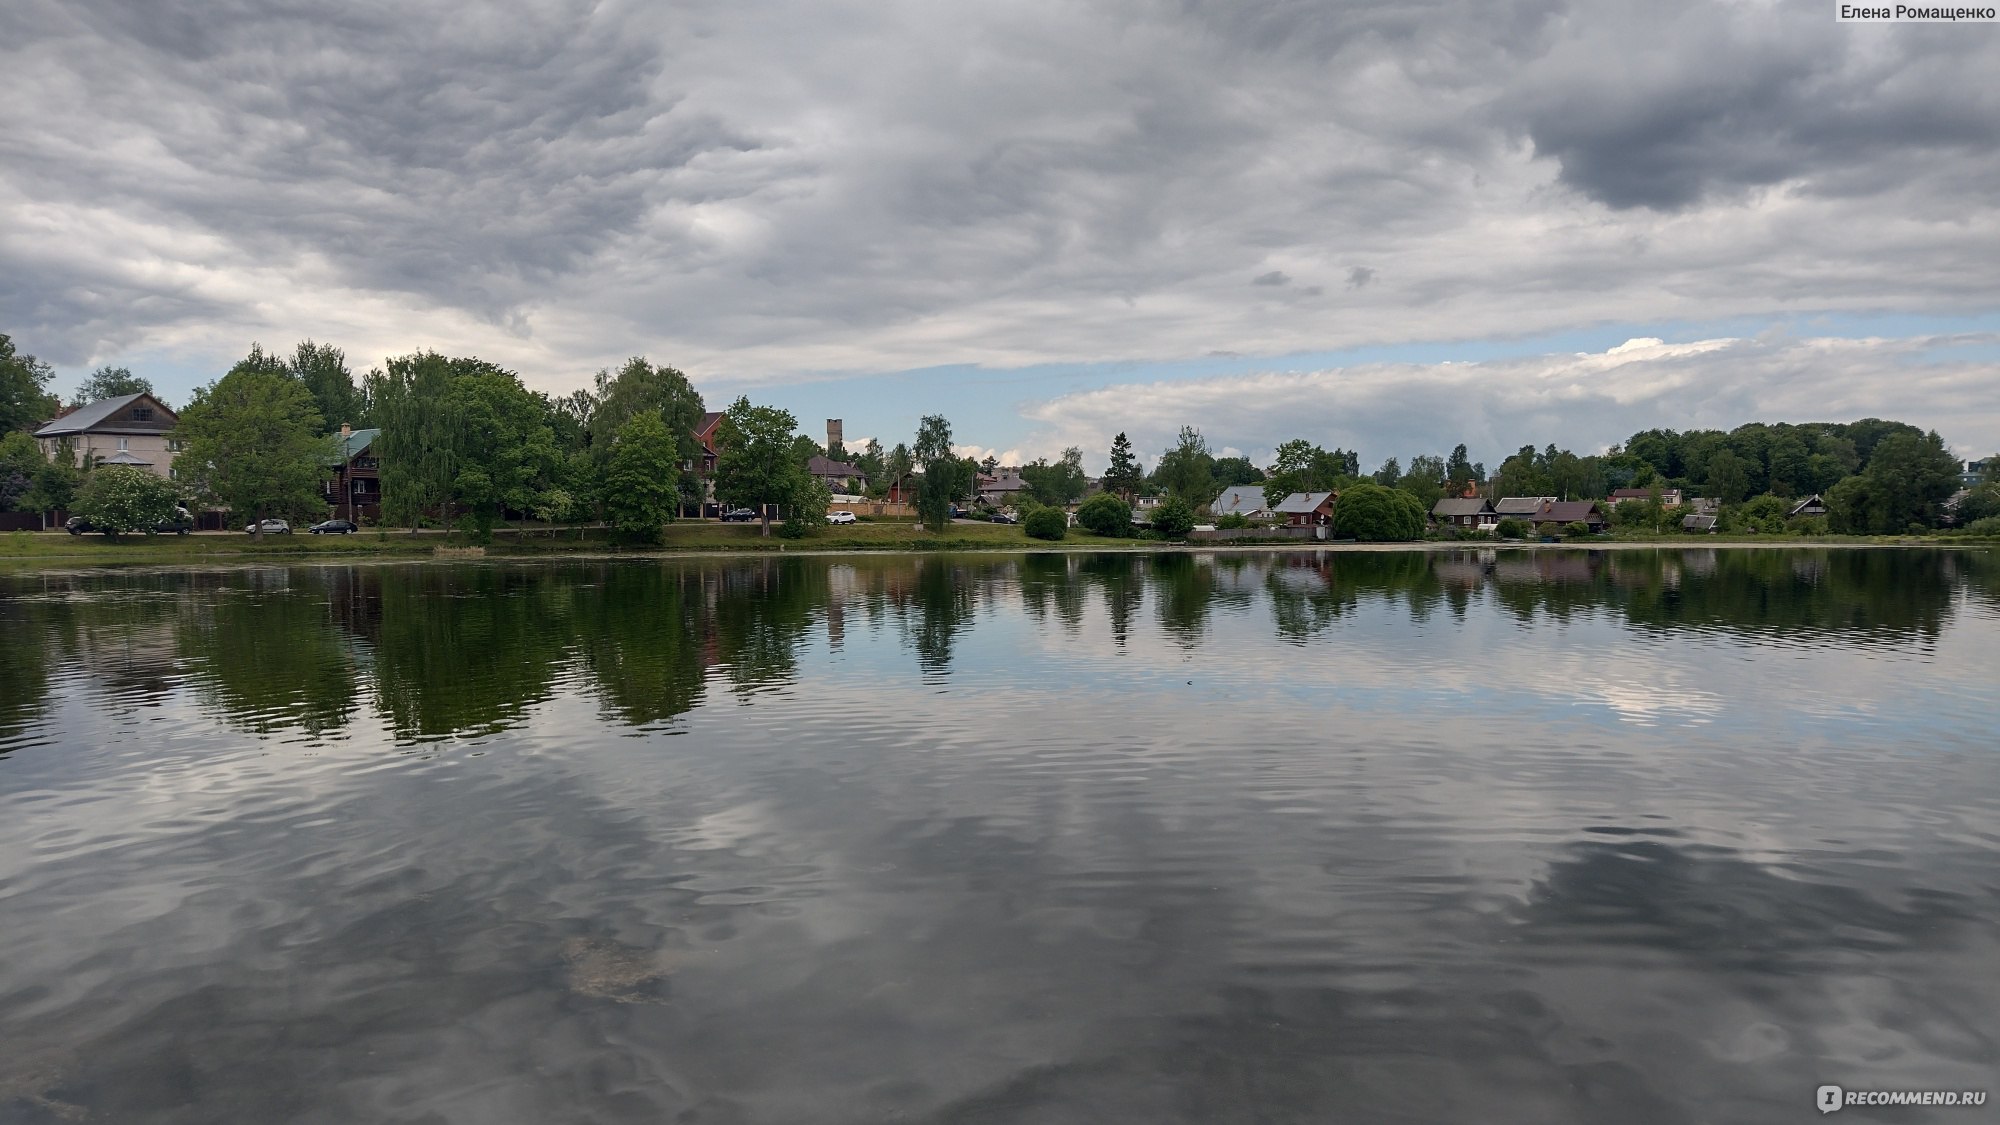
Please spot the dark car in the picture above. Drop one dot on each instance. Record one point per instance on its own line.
(181, 524)
(333, 527)
(739, 515)
(77, 525)
(1005, 517)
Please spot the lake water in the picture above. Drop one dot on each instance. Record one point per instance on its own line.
(1527, 837)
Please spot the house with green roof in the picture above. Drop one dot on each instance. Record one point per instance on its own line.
(353, 485)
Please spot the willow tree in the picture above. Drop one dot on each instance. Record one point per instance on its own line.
(423, 436)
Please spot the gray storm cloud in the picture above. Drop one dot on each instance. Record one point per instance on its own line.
(763, 192)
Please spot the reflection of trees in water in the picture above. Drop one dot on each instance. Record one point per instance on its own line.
(24, 666)
(1308, 593)
(944, 602)
(465, 649)
(267, 658)
(1118, 577)
(1054, 581)
(641, 631)
(762, 613)
(1183, 591)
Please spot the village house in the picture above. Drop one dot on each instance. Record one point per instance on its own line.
(1307, 509)
(836, 474)
(1703, 524)
(1465, 511)
(1813, 505)
(130, 430)
(1522, 508)
(1000, 488)
(353, 487)
(1246, 500)
(1555, 515)
(1669, 497)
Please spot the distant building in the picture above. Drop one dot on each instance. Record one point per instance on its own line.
(1974, 472)
(353, 487)
(1520, 507)
(1472, 512)
(1669, 497)
(1561, 513)
(130, 430)
(1307, 509)
(1699, 525)
(834, 474)
(1246, 500)
(1810, 506)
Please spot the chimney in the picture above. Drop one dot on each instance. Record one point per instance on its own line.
(833, 435)
(346, 430)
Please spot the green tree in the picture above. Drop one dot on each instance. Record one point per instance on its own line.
(1728, 477)
(21, 461)
(1374, 514)
(1511, 528)
(946, 476)
(757, 467)
(1046, 523)
(1231, 471)
(252, 440)
(642, 385)
(641, 482)
(1106, 514)
(806, 508)
(1061, 483)
(262, 362)
(1459, 471)
(24, 381)
(510, 455)
(1390, 472)
(323, 370)
(1124, 474)
(111, 382)
(424, 436)
(119, 499)
(1174, 518)
(1187, 470)
(1301, 466)
(1425, 479)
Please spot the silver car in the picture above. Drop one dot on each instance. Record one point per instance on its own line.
(271, 527)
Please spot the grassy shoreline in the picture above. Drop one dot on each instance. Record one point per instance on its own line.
(24, 549)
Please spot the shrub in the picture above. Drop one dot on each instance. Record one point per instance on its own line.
(1174, 518)
(1046, 523)
(1374, 514)
(117, 498)
(1511, 528)
(807, 509)
(1106, 514)
(1986, 526)
(1576, 529)
(1234, 521)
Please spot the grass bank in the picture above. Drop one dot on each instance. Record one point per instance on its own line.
(28, 550)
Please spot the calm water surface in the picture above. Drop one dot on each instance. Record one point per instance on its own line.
(1628, 837)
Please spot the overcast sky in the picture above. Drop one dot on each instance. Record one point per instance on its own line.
(1381, 225)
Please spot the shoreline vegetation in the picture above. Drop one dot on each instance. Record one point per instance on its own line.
(56, 548)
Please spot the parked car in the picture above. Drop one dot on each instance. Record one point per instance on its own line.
(77, 525)
(181, 524)
(739, 515)
(841, 517)
(1006, 517)
(271, 527)
(333, 527)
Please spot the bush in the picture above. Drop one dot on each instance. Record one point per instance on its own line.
(807, 509)
(1174, 518)
(1234, 521)
(117, 498)
(1046, 523)
(1576, 529)
(1374, 514)
(1986, 526)
(1511, 528)
(1106, 514)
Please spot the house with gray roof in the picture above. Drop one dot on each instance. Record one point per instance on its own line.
(1246, 500)
(130, 430)
(1307, 509)
(1520, 507)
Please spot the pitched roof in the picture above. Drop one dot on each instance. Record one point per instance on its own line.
(353, 445)
(1698, 523)
(1804, 505)
(1521, 505)
(1239, 500)
(1568, 511)
(1459, 506)
(125, 457)
(1301, 502)
(827, 467)
(96, 414)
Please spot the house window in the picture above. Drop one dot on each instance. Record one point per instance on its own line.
(142, 414)
(121, 445)
(173, 473)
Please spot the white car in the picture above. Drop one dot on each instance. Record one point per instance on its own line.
(841, 517)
